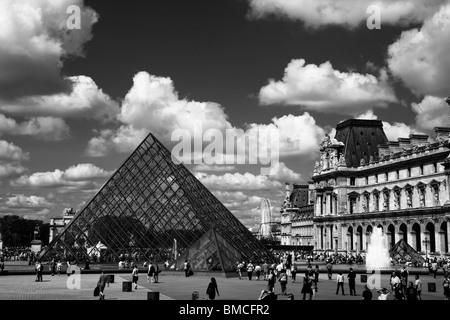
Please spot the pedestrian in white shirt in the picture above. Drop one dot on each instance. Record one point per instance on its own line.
(340, 283)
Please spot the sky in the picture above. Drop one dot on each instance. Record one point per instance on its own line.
(77, 99)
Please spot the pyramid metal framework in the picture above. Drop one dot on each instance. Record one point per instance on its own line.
(210, 253)
(150, 208)
(402, 251)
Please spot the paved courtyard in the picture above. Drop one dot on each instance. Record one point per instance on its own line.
(173, 287)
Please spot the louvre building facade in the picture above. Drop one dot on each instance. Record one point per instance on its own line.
(363, 181)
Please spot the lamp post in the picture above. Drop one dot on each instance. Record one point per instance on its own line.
(426, 242)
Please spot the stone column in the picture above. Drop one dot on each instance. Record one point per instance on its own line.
(403, 199)
(318, 205)
(437, 238)
(330, 203)
(429, 196)
(411, 241)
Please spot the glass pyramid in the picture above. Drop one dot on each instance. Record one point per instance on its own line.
(210, 253)
(405, 253)
(151, 208)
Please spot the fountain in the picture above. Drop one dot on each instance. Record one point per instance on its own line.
(377, 251)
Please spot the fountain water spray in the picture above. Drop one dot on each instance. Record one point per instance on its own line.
(377, 251)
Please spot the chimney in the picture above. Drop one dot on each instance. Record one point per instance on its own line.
(383, 150)
(418, 139)
(404, 143)
(394, 147)
(442, 133)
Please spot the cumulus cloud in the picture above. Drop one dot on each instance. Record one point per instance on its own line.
(123, 140)
(45, 128)
(8, 170)
(298, 135)
(85, 171)
(285, 174)
(206, 168)
(34, 41)
(349, 13)
(10, 160)
(431, 112)
(420, 57)
(30, 207)
(237, 181)
(10, 152)
(321, 88)
(20, 200)
(393, 131)
(74, 178)
(152, 103)
(86, 100)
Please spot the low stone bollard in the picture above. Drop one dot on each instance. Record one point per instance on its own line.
(364, 278)
(111, 278)
(431, 287)
(153, 295)
(126, 286)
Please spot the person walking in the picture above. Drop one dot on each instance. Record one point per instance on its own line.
(240, 269)
(314, 289)
(293, 273)
(307, 286)
(135, 276)
(316, 273)
(329, 269)
(340, 283)
(186, 268)
(410, 292)
(352, 282)
(265, 270)
(2, 264)
(271, 281)
(367, 293)
(434, 268)
(250, 269)
(282, 278)
(102, 281)
(212, 289)
(418, 287)
(68, 270)
(53, 266)
(258, 271)
(58, 267)
(446, 285)
(151, 272)
(157, 272)
(36, 268)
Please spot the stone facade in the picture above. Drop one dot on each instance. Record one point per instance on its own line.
(58, 224)
(401, 186)
(297, 217)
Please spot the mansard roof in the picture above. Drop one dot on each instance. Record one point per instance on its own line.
(361, 139)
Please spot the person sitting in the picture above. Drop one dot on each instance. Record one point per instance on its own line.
(383, 294)
(267, 295)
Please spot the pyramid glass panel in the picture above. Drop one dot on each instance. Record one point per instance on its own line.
(147, 205)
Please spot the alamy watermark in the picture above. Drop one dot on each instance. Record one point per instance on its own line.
(374, 19)
(74, 279)
(74, 19)
(229, 146)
